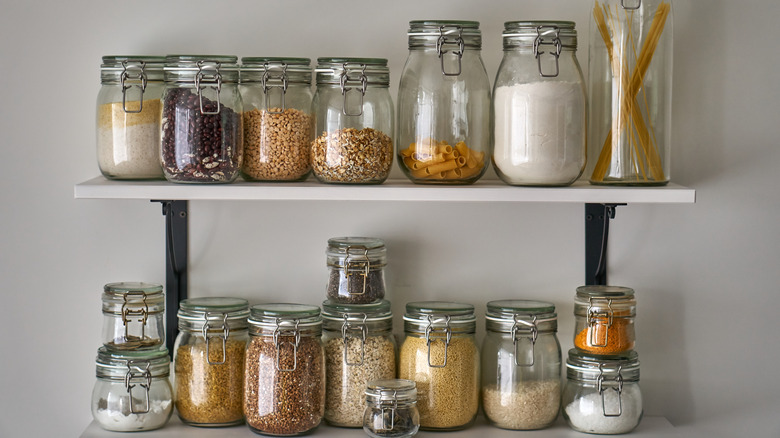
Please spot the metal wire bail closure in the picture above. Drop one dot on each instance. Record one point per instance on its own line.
(346, 79)
(623, 5)
(144, 375)
(428, 340)
(539, 41)
(208, 73)
(359, 265)
(140, 76)
(388, 408)
(225, 332)
(442, 41)
(266, 87)
(131, 308)
(522, 329)
(617, 386)
(294, 332)
(348, 327)
(599, 319)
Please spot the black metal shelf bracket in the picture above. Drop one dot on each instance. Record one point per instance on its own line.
(597, 217)
(176, 243)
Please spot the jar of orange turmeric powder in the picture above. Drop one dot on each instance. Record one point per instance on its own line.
(604, 319)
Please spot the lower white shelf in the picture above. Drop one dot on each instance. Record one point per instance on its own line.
(650, 427)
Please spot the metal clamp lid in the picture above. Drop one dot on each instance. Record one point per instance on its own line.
(143, 375)
(208, 73)
(352, 327)
(429, 329)
(599, 318)
(523, 329)
(283, 329)
(539, 41)
(268, 75)
(135, 305)
(127, 75)
(443, 41)
(223, 332)
(358, 78)
(616, 384)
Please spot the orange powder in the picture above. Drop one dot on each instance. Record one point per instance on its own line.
(619, 337)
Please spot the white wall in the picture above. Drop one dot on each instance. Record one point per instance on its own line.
(706, 274)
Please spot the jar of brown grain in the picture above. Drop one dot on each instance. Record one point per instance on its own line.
(278, 123)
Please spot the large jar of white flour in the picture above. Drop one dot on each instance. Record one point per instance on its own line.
(539, 106)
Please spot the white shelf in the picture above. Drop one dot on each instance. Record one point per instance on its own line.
(392, 190)
(650, 427)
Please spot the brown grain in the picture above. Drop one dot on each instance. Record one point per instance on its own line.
(352, 156)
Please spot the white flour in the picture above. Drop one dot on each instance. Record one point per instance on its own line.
(586, 413)
(539, 133)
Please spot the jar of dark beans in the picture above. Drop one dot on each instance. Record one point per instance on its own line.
(356, 269)
(284, 374)
(202, 135)
(133, 314)
(391, 409)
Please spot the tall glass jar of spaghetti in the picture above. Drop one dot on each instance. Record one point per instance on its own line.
(630, 92)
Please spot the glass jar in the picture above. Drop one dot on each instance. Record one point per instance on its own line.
(444, 104)
(359, 347)
(132, 391)
(602, 393)
(539, 109)
(209, 361)
(133, 316)
(356, 268)
(278, 123)
(354, 114)
(440, 355)
(128, 117)
(202, 135)
(604, 319)
(391, 409)
(521, 365)
(630, 92)
(284, 386)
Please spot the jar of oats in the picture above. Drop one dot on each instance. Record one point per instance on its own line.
(359, 347)
(278, 123)
(128, 117)
(209, 361)
(354, 143)
(440, 355)
(284, 373)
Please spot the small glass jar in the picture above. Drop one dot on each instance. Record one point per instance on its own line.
(604, 319)
(602, 393)
(128, 117)
(539, 106)
(444, 104)
(202, 134)
(132, 391)
(391, 409)
(284, 377)
(630, 92)
(133, 316)
(354, 111)
(356, 267)
(209, 361)
(439, 353)
(278, 123)
(521, 365)
(359, 347)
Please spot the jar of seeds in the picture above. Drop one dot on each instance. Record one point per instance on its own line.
(284, 374)
(391, 409)
(278, 124)
(356, 267)
(604, 319)
(440, 355)
(359, 347)
(202, 135)
(128, 117)
(133, 315)
(209, 361)
(354, 111)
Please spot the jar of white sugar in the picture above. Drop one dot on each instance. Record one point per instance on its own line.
(128, 117)
(539, 106)
(602, 392)
(521, 365)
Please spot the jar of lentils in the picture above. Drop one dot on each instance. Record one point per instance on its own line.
(133, 315)
(209, 361)
(202, 135)
(359, 347)
(278, 123)
(284, 377)
(604, 319)
(440, 355)
(354, 143)
(356, 269)
(391, 409)
(521, 365)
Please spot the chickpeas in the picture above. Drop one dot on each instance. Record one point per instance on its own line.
(277, 145)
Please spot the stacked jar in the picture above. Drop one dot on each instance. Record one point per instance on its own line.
(602, 390)
(132, 391)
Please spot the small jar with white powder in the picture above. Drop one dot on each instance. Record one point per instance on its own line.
(539, 106)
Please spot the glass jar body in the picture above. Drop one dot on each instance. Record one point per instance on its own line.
(133, 316)
(404, 423)
(443, 121)
(630, 93)
(539, 123)
(604, 319)
(112, 411)
(586, 410)
(356, 269)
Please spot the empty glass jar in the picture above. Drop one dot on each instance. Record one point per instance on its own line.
(133, 315)
(391, 409)
(356, 269)
(604, 319)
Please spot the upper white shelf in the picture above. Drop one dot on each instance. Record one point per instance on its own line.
(392, 190)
